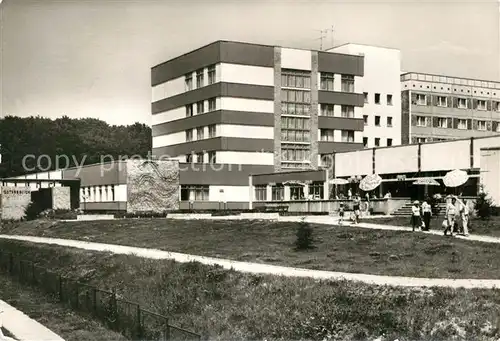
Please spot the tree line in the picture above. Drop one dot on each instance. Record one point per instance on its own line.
(80, 141)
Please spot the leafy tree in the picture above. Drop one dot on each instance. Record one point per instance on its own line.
(305, 240)
(484, 204)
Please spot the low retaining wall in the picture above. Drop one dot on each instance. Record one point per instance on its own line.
(84, 217)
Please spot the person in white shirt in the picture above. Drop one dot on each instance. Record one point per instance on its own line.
(451, 212)
(464, 215)
(427, 212)
(416, 222)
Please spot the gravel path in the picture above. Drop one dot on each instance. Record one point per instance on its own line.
(257, 268)
(22, 327)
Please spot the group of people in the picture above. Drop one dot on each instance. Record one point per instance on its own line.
(456, 216)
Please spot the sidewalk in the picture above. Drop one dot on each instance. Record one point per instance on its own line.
(22, 327)
(257, 268)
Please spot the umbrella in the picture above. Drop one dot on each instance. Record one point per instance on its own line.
(338, 182)
(426, 182)
(455, 178)
(370, 182)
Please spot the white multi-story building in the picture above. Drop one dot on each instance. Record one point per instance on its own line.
(381, 87)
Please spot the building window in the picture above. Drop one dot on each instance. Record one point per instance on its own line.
(199, 157)
(442, 101)
(421, 99)
(347, 111)
(211, 74)
(260, 193)
(347, 135)
(347, 83)
(295, 129)
(377, 98)
(365, 142)
(200, 108)
(365, 119)
(327, 110)
(295, 102)
(377, 121)
(327, 134)
(295, 79)
(188, 80)
(212, 130)
(211, 104)
(316, 190)
(498, 127)
(200, 133)
(295, 152)
(296, 192)
(389, 121)
(199, 78)
(211, 157)
(462, 103)
(365, 94)
(189, 158)
(462, 123)
(189, 110)
(194, 192)
(421, 140)
(389, 99)
(377, 142)
(442, 122)
(278, 192)
(189, 135)
(389, 142)
(496, 106)
(481, 125)
(326, 81)
(421, 121)
(481, 105)
(326, 160)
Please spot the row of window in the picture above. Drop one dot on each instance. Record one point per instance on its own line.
(328, 135)
(377, 121)
(376, 142)
(200, 157)
(457, 102)
(377, 98)
(456, 123)
(329, 110)
(200, 107)
(295, 152)
(200, 132)
(97, 193)
(194, 192)
(327, 82)
(295, 79)
(200, 78)
(316, 190)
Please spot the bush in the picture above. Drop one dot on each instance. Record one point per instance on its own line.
(224, 213)
(484, 205)
(59, 214)
(304, 235)
(32, 211)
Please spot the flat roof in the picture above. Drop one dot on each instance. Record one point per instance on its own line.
(449, 76)
(368, 45)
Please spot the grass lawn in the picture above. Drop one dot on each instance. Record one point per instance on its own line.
(44, 309)
(348, 248)
(490, 227)
(228, 305)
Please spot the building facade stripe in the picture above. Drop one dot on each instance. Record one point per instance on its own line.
(214, 117)
(215, 144)
(220, 89)
(219, 174)
(341, 123)
(340, 63)
(337, 147)
(341, 98)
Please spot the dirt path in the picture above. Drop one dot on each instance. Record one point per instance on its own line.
(257, 268)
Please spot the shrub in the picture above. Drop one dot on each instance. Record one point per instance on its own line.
(59, 214)
(304, 235)
(32, 211)
(484, 204)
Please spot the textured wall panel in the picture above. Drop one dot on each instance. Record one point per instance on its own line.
(152, 185)
(61, 198)
(13, 202)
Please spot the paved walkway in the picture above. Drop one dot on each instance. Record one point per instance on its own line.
(257, 268)
(22, 327)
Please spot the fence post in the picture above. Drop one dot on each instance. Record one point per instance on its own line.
(60, 289)
(139, 325)
(167, 330)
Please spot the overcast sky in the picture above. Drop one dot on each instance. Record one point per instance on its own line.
(92, 58)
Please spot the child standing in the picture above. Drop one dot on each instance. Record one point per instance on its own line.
(415, 216)
(341, 213)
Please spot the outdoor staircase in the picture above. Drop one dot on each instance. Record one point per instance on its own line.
(405, 211)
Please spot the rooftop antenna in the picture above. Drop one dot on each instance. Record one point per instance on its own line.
(323, 36)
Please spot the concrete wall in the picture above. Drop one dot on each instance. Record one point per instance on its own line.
(13, 202)
(61, 198)
(490, 176)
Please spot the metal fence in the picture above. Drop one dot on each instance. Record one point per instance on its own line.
(117, 314)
